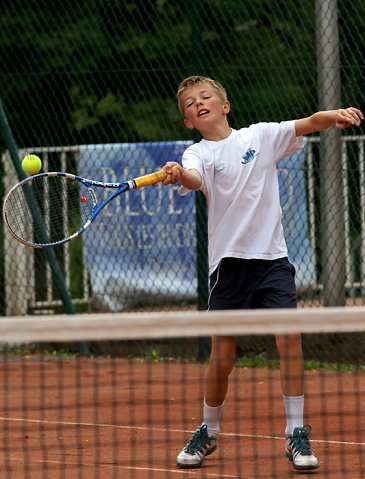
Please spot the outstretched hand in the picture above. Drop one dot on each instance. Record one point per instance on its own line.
(347, 117)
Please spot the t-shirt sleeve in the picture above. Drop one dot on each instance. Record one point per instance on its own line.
(283, 138)
(191, 160)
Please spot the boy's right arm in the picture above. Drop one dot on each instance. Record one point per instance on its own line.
(322, 120)
(191, 179)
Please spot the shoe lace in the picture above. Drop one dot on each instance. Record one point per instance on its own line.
(301, 442)
(198, 441)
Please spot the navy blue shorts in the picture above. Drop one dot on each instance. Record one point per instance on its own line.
(252, 284)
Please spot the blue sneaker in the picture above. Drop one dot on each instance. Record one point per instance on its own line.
(199, 446)
(298, 449)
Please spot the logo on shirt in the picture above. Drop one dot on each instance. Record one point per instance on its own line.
(248, 156)
(219, 168)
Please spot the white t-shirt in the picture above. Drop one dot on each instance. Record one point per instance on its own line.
(240, 182)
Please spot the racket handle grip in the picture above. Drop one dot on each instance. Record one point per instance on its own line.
(150, 179)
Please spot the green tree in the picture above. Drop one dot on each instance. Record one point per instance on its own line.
(97, 71)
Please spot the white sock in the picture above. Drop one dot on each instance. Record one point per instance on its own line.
(211, 417)
(294, 407)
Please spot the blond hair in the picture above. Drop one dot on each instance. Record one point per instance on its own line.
(194, 80)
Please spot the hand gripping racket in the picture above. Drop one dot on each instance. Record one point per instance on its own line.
(49, 209)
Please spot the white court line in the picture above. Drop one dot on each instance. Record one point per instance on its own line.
(138, 468)
(145, 428)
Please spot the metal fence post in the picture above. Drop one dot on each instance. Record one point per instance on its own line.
(332, 203)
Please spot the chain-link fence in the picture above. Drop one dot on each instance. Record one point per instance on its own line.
(91, 88)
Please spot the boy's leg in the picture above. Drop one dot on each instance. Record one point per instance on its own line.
(297, 449)
(230, 288)
(277, 290)
(220, 367)
(291, 364)
(204, 440)
(291, 377)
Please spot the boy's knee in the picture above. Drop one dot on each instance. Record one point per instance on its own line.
(289, 342)
(221, 367)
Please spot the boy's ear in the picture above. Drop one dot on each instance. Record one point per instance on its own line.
(226, 107)
(188, 124)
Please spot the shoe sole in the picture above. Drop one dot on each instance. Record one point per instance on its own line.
(300, 468)
(196, 466)
(305, 468)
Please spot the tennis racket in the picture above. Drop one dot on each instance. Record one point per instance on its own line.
(50, 209)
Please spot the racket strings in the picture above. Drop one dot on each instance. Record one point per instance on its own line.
(48, 209)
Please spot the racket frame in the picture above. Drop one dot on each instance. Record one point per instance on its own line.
(128, 185)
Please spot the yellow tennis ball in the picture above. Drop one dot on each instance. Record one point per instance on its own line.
(31, 164)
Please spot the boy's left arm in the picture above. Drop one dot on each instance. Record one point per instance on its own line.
(322, 120)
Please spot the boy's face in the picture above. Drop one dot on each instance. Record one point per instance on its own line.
(202, 107)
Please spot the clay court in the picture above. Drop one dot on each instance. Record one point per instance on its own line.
(113, 418)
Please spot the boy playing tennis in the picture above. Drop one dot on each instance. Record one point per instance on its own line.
(248, 263)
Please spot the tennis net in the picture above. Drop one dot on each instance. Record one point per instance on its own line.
(119, 395)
